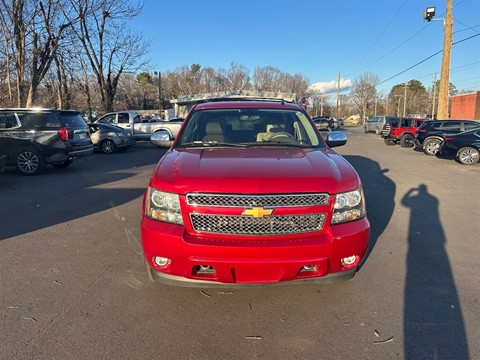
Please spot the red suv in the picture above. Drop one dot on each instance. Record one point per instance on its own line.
(401, 130)
(250, 193)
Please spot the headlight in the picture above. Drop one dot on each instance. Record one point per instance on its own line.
(163, 206)
(348, 206)
(121, 134)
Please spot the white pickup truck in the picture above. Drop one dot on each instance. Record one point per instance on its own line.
(142, 129)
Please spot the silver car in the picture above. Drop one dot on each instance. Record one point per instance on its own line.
(109, 138)
(375, 124)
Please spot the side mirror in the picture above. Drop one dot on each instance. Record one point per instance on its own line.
(336, 138)
(161, 138)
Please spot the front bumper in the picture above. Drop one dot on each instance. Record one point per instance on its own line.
(256, 260)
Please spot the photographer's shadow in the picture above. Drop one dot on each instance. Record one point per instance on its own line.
(433, 321)
(379, 192)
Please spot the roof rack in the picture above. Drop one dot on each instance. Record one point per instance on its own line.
(238, 95)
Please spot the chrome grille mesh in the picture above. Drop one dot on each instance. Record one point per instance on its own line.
(278, 200)
(269, 225)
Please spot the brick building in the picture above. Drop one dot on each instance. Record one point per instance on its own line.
(466, 106)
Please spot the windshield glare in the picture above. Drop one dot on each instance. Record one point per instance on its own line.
(249, 127)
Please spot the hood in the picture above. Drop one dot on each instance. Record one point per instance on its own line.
(254, 171)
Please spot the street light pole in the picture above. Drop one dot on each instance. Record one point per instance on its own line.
(160, 105)
(443, 91)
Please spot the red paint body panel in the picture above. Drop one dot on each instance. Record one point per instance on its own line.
(253, 170)
(262, 263)
(247, 259)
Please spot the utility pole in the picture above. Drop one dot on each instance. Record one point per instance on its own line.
(405, 101)
(445, 74)
(338, 96)
(398, 104)
(322, 97)
(434, 95)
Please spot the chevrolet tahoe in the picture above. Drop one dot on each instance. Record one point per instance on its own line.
(250, 193)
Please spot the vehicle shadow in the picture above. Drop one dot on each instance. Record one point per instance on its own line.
(88, 186)
(379, 192)
(433, 321)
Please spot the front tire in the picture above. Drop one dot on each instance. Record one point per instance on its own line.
(406, 141)
(107, 146)
(378, 131)
(431, 146)
(468, 156)
(29, 161)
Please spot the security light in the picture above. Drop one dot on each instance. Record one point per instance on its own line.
(429, 13)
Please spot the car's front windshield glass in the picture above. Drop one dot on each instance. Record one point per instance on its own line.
(249, 127)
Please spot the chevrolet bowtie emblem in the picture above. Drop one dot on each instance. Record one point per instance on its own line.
(257, 212)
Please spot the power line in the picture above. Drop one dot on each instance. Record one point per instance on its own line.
(407, 40)
(428, 58)
(378, 39)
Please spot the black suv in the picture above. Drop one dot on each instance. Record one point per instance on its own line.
(33, 138)
(429, 136)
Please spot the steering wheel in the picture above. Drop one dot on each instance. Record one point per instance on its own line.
(280, 135)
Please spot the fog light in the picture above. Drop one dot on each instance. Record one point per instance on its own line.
(203, 269)
(161, 261)
(349, 260)
(309, 268)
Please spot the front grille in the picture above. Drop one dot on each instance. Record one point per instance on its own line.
(278, 200)
(269, 225)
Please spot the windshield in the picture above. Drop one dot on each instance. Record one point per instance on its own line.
(249, 127)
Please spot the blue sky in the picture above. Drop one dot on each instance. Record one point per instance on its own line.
(316, 38)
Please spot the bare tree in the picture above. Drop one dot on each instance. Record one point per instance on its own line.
(237, 77)
(364, 92)
(111, 49)
(36, 30)
(265, 78)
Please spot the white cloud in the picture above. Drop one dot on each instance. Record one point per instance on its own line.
(331, 86)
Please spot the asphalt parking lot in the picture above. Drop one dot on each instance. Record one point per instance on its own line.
(73, 285)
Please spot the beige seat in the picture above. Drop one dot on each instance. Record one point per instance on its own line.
(214, 132)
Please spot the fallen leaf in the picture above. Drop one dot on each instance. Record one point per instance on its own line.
(342, 322)
(384, 341)
(30, 318)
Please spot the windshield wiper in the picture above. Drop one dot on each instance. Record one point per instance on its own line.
(281, 143)
(212, 144)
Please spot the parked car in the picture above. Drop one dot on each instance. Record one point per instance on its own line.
(250, 193)
(109, 138)
(375, 124)
(464, 147)
(142, 129)
(429, 136)
(31, 139)
(324, 122)
(401, 130)
(162, 138)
